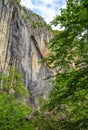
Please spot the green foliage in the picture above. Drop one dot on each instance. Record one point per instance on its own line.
(68, 103)
(13, 83)
(69, 98)
(17, 2)
(25, 9)
(48, 27)
(74, 20)
(35, 25)
(13, 108)
(67, 107)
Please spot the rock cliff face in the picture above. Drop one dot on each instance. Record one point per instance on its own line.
(24, 38)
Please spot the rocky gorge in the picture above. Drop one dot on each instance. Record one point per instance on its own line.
(24, 40)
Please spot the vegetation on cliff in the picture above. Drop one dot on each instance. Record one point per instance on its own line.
(68, 102)
(13, 108)
(36, 20)
(67, 107)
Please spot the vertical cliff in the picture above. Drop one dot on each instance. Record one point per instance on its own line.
(24, 38)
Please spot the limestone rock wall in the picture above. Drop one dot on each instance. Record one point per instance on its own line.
(24, 38)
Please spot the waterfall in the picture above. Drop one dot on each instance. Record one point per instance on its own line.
(26, 50)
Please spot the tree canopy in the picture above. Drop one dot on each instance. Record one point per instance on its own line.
(13, 107)
(67, 107)
(69, 56)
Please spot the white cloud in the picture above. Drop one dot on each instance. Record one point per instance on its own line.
(46, 8)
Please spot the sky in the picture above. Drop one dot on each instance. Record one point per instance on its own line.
(48, 9)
